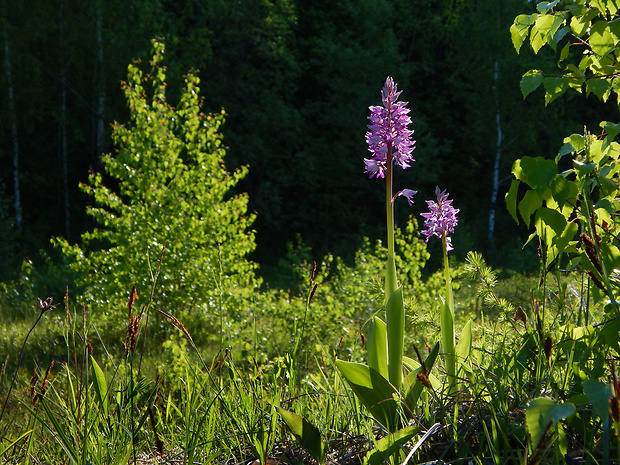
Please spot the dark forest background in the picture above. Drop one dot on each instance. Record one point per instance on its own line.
(295, 78)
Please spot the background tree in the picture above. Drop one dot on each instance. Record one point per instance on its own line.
(296, 78)
(166, 220)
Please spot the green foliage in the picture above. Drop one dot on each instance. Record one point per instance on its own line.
(166, 219)
(585, 34)
(308, 436)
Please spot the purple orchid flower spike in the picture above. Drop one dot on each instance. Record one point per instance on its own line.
(441, 219)
(388, 133)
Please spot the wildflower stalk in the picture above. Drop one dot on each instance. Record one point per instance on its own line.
(378, 384)
(390, 279)
(440, 221)
(447, 323)
(394, 308)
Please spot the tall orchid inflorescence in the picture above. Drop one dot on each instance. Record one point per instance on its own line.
(391, 143)
(389, 139)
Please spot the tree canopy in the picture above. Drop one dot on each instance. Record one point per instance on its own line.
(295, 79)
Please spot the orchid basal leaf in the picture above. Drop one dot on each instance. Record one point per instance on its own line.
(377, 346)
(373, 391)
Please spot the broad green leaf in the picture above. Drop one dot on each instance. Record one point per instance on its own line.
(611, 256)
(564, 53)
(373, 391)
(531, 81)
(544, 29)
(601, 40)
(562, 241)
(543, 412)
(575, 77)
(511, 199)
(306, 434)
(598, 87)
(535, 172)
(605, 182)
(101, 386)
(572, 143)
(580, 24)
(529, 204)
(614, 29)
(560, 189)
(395, 321)
(463, 348)
(544, 7)
(554, 87)
(598, 394)
(601, 5)
(549, 223)
(390, 444)
(520, 29)
(377, 346)
(613, 129)
(604, 210)
(557, 37)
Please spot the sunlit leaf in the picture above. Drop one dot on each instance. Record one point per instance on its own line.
(529, 204)
(535, 172)
(101, 386)
(463, 347)
(598, 87)
(554, 87)
(377, 346)
(373, 391)
(390, 444)
(543, 412)
(511, 199)
(531, 81)
(520, 29)
(560, 189)
(307, 435)
(395, 321)
(601, 40)
(544, 7)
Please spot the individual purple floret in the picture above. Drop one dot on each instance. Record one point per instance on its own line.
(389, 135)
(441, 219)
(407, 193)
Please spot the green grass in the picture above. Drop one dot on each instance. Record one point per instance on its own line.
(178, 398)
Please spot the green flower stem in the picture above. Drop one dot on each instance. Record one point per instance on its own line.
(394, 306)
(447, 324)
(390, 279)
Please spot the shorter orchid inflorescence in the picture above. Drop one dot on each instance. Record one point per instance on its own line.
(441, 218)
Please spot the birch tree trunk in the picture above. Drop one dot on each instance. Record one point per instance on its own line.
(498, 156)
(13, 122)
